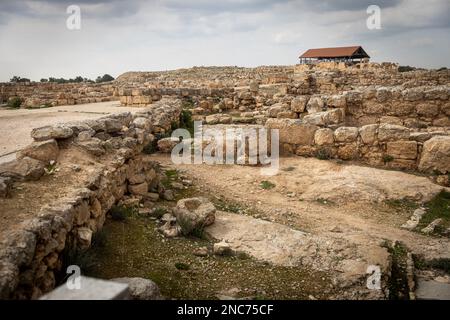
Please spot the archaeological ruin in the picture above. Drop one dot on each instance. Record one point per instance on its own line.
(363, 184)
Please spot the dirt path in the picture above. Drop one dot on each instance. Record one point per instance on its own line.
(16, 125)
(327, 199)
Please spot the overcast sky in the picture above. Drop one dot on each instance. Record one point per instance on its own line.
(118, 36)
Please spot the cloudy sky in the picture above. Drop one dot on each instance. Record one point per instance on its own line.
(118, 36)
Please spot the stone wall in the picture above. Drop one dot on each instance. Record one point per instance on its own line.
(32, 255)
(36, 94)
(381, 145)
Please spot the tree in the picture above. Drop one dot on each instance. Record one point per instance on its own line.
(19, 79)
(104, 78)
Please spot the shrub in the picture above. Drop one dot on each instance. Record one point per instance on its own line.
(266, 185)
(14, 103)
(323, 154)
(120, 213)
(104, 78)
(405, 68)
(387, 158)
(186, 121)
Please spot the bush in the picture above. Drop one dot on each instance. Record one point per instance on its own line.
(387, 158)
(323, 154)
(186, 121)
(121, 213)
(266, 185)
(405, 68)
(14, 103)
(19, 79)
(104, 78)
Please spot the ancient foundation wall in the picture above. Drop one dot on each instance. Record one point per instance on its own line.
(36, 94)
(32, 255)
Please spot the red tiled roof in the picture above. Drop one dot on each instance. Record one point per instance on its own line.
(331, 52)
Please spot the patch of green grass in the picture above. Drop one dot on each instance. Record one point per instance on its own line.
(439, 263)
(159, 212)
(172, 173)
(405, 204)
(121, 213)
(227, 206)
(398, 282)
(267, 185)
(438, 207)
(181, 266)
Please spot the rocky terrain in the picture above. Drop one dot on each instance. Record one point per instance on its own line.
(363, 182)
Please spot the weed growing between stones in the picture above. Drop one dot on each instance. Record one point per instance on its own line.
(323, 154)
(398, 282)
(267, 185)
(437, 208)
(121, 213)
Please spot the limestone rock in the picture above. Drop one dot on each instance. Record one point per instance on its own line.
(430, 228)
(346, 134)
(45, 151)
(23, 169)
(298, 104)
(388, 132)
(368, 133)
(168, 195)
(141, 289)
(324, 137)
(436, 155)
(193, 214)
(315, 104)
(84, 237)
(222, 248)
(414, 220)
(138, 189)
(293, 131)
(51, 132)
(402, 149)
(166, 145)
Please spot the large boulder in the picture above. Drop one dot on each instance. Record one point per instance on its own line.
(315, 104)
(324, 137)
(193, 214)
(402, 149)
(23, 169)
(41, 150)
(436, 155)
(388, 132)
(368, 133)
(298, 104)
(293, 131)
(141, 289)
(166, 145)
(51, 132)
(346, 134)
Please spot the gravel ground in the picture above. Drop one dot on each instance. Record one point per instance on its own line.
(16, 125)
